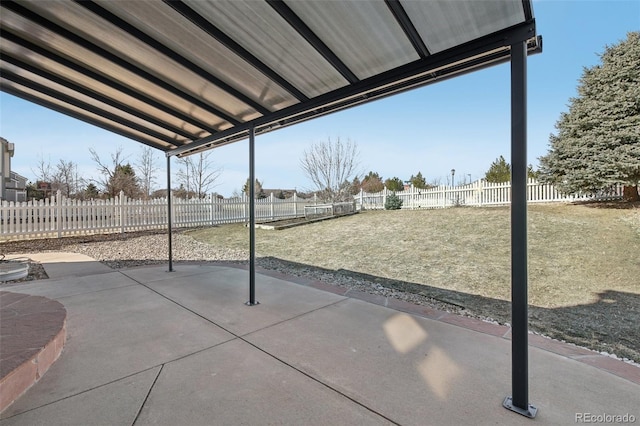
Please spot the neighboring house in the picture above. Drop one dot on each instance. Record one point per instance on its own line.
(13, 187)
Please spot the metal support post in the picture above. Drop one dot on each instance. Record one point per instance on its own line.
(252, 219)
(519, 402)
(169, 224)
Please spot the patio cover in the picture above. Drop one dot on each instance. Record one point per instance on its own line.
(186, 76)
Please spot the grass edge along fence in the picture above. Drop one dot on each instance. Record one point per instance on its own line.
(479, 193)
(60, 216)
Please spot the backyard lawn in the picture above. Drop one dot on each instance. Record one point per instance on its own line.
(584, 262)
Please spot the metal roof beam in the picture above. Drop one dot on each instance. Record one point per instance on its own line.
(98, 96)
(58, 108)
(85, 106)
(63, 32)
(315, 41)
(407, 26)
(402, 78)
(153, 43)
(106, 81)
(230, 44)
(528, 10)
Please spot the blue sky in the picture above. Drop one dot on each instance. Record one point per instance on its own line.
(460, 124)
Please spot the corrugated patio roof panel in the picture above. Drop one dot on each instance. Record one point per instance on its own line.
(159, 20)
(56, 71)
(83, 114)
(444, 24)
(71, 97)
(108, 36)
(261, 30)
(208, 71)
(364, 35)
(87, 59)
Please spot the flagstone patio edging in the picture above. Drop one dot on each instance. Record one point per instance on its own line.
(33, 333)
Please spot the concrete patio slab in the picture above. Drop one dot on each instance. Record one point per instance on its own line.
(303, 356)
(238, 384)
(148, 274)
(418, 371)
(114, 333)
(220, 296)
(115, 403)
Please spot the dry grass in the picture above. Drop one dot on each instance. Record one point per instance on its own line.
(584, 262)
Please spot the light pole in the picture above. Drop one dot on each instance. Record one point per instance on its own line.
(453, 173)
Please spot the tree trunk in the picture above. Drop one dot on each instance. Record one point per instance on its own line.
(630, 193)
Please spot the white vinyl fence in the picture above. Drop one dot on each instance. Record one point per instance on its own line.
(478, 193)
(60, 216)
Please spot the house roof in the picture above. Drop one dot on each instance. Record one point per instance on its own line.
(183, 76)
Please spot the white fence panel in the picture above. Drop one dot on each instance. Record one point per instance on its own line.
(479, 193)
(60, 216)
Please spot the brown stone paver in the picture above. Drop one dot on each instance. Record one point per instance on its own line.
(32, 334)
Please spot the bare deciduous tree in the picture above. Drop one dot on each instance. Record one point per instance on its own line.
(43, 169)
(64, 178)
(331, 166)
(43, 173)
(146, 166)
(198, 174)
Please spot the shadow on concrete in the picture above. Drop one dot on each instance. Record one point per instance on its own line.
(605, 325)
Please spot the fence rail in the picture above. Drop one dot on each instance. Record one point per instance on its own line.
(479, 193)
(60, 216)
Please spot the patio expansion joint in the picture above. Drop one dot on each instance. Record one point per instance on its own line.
(269, 354)
(182, 274)
(85, 391)
(161, 366)
(146, 397)
(289, 319)
(95, 291)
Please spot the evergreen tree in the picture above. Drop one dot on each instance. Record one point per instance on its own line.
(258, 190)
(91, 191)
(418, 181)
(393, 202)
(33, 192)
(597, 144)
(124, 179)
(394, 184)
(499, 171)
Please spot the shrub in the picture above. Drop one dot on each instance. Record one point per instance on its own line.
(393, 202)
